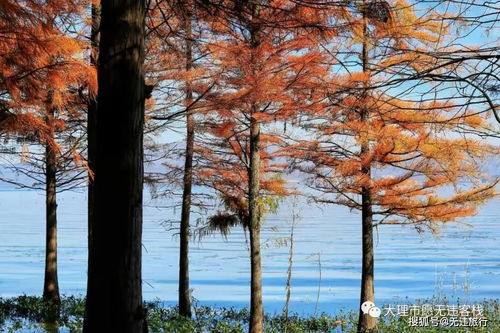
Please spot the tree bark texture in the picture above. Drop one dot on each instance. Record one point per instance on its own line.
(366, 322)
(256, 308)
(114, 289)
(51, 283)
(184, 291)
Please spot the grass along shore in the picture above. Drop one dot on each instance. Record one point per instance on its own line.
(31, 314)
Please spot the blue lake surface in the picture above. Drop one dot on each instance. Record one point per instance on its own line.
(462, 262)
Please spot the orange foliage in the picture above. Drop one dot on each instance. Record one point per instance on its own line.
(39, 64)
(268, 79)
(417, 169)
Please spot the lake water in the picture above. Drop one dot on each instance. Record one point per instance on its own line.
(463, 262)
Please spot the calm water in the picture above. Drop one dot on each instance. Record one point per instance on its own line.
(462, 262)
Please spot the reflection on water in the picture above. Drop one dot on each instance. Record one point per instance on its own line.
(463, 262)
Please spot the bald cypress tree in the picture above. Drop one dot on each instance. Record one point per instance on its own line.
(114, 291)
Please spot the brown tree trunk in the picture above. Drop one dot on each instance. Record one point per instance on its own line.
(184, 292)
(256, 310)
(366, 322)
(51, 284)
(92, 104)
(91, 121)
(114, 286)
(254, 214)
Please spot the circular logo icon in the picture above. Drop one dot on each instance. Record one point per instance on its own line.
(366, 306)
(374, 312)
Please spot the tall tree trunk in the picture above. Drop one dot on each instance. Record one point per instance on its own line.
(51, 284)
(184, 292)
(256, 310)
(91, 124)
(366, 322)
(114, 286)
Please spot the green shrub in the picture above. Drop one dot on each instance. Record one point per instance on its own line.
(29, 313)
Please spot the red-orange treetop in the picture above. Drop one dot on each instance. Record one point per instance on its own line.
(262, 56)
(424, 158)
(42, 67)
